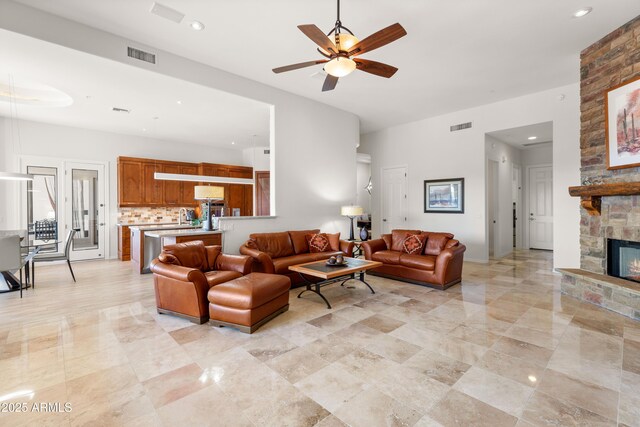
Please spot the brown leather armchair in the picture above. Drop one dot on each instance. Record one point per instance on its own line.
(274, 253)
(184, 273)
(437, 264)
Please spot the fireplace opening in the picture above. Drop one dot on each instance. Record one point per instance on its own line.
(623, 259)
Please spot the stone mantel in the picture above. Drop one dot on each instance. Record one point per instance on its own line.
(591, 195)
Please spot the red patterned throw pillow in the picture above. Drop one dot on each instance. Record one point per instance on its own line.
(318, 242)
(413, 244)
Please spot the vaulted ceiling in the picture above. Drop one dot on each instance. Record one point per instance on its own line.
(457, 54)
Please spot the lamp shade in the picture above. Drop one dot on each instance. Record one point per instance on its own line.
(351, 211)
(205, 192)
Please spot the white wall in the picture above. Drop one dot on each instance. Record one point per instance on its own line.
(431, 151)
(506, 156)
(537, 155)
(313, 171)
(256, 158)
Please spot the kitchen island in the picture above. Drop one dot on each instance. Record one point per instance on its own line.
(171, 237)
(144, 248)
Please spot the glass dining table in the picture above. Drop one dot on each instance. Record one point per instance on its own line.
(29, 249)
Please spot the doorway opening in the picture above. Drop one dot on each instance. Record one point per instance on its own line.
(520, 203)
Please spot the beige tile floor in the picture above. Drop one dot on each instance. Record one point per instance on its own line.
(503, 348)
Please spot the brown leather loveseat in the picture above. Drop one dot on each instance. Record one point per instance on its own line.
(421, 257)
(184, 273)
(274, 253)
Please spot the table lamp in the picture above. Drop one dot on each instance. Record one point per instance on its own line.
(351, 212)
(208, 193)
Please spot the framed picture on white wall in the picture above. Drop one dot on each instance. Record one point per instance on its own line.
(622, 124)
(444, 195)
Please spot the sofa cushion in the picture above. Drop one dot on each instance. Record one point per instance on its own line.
(277, 245)
(281, 265)
(326, 255)
(318, 242)
(299, 240)
(189, 254)
(421, 262)
(250, 291)
(217, 277)
(414, 243)
(436, 243)
(398, 236)
(334, 241)
(386, 257)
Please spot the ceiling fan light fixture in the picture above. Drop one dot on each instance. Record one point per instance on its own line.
(340, 67)
(346, 41)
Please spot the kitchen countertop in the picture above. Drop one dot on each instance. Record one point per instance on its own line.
(177, 233)
(149, 227)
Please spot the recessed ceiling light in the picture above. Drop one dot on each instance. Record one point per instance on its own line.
(144, 129)
(179, 102)
(197, 25)
(582, 12)
(233, 143)
(531, 138)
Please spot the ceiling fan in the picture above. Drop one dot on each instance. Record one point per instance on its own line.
(341, 52)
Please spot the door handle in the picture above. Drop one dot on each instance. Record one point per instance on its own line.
(102, 224)
(384, 220)
(532, 219)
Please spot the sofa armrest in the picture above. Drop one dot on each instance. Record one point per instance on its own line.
(261, 258)
(347, 247)
(239, 263)
(372, 246)
(178, 272)
(449, 264)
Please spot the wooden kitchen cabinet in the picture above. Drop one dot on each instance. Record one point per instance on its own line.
(188, 188)
(240, 197)
(172, 189)
(130, 178)
(124, 243)
(137, 186)
(152, 193)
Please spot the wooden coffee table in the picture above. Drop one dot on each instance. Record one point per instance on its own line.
(333, 274)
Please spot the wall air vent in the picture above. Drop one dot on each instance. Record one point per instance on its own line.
(141, 55)
(267, 151)
(533, 144)
(461, 126)
(120, 110)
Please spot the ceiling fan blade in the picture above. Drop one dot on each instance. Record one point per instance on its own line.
(318, 37)
(377, 68)
(299, 65)
(379, 39)
(329, 83)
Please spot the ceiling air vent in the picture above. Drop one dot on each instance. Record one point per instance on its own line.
(132, 52)
(167, 12)
(120, 110)
(267, 151)
(533, 144)
(461, 126)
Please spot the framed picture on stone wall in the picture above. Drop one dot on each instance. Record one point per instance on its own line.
(444, 195)
(622, 125)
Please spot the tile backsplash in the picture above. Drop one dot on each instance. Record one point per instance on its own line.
(147, 215)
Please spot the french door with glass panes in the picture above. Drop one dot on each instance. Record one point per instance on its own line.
(85, 209)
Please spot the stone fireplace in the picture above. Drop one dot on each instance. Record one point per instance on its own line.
(610, 218)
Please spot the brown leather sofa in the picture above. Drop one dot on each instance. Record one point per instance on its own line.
(274, 253)
(184, 273)
(437, 263)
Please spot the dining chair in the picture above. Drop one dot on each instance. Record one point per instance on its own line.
(58, 257)
(11, 256)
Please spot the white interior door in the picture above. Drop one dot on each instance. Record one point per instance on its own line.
(493, 206)
(394, 199)
(541, 207)
(85, 207)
